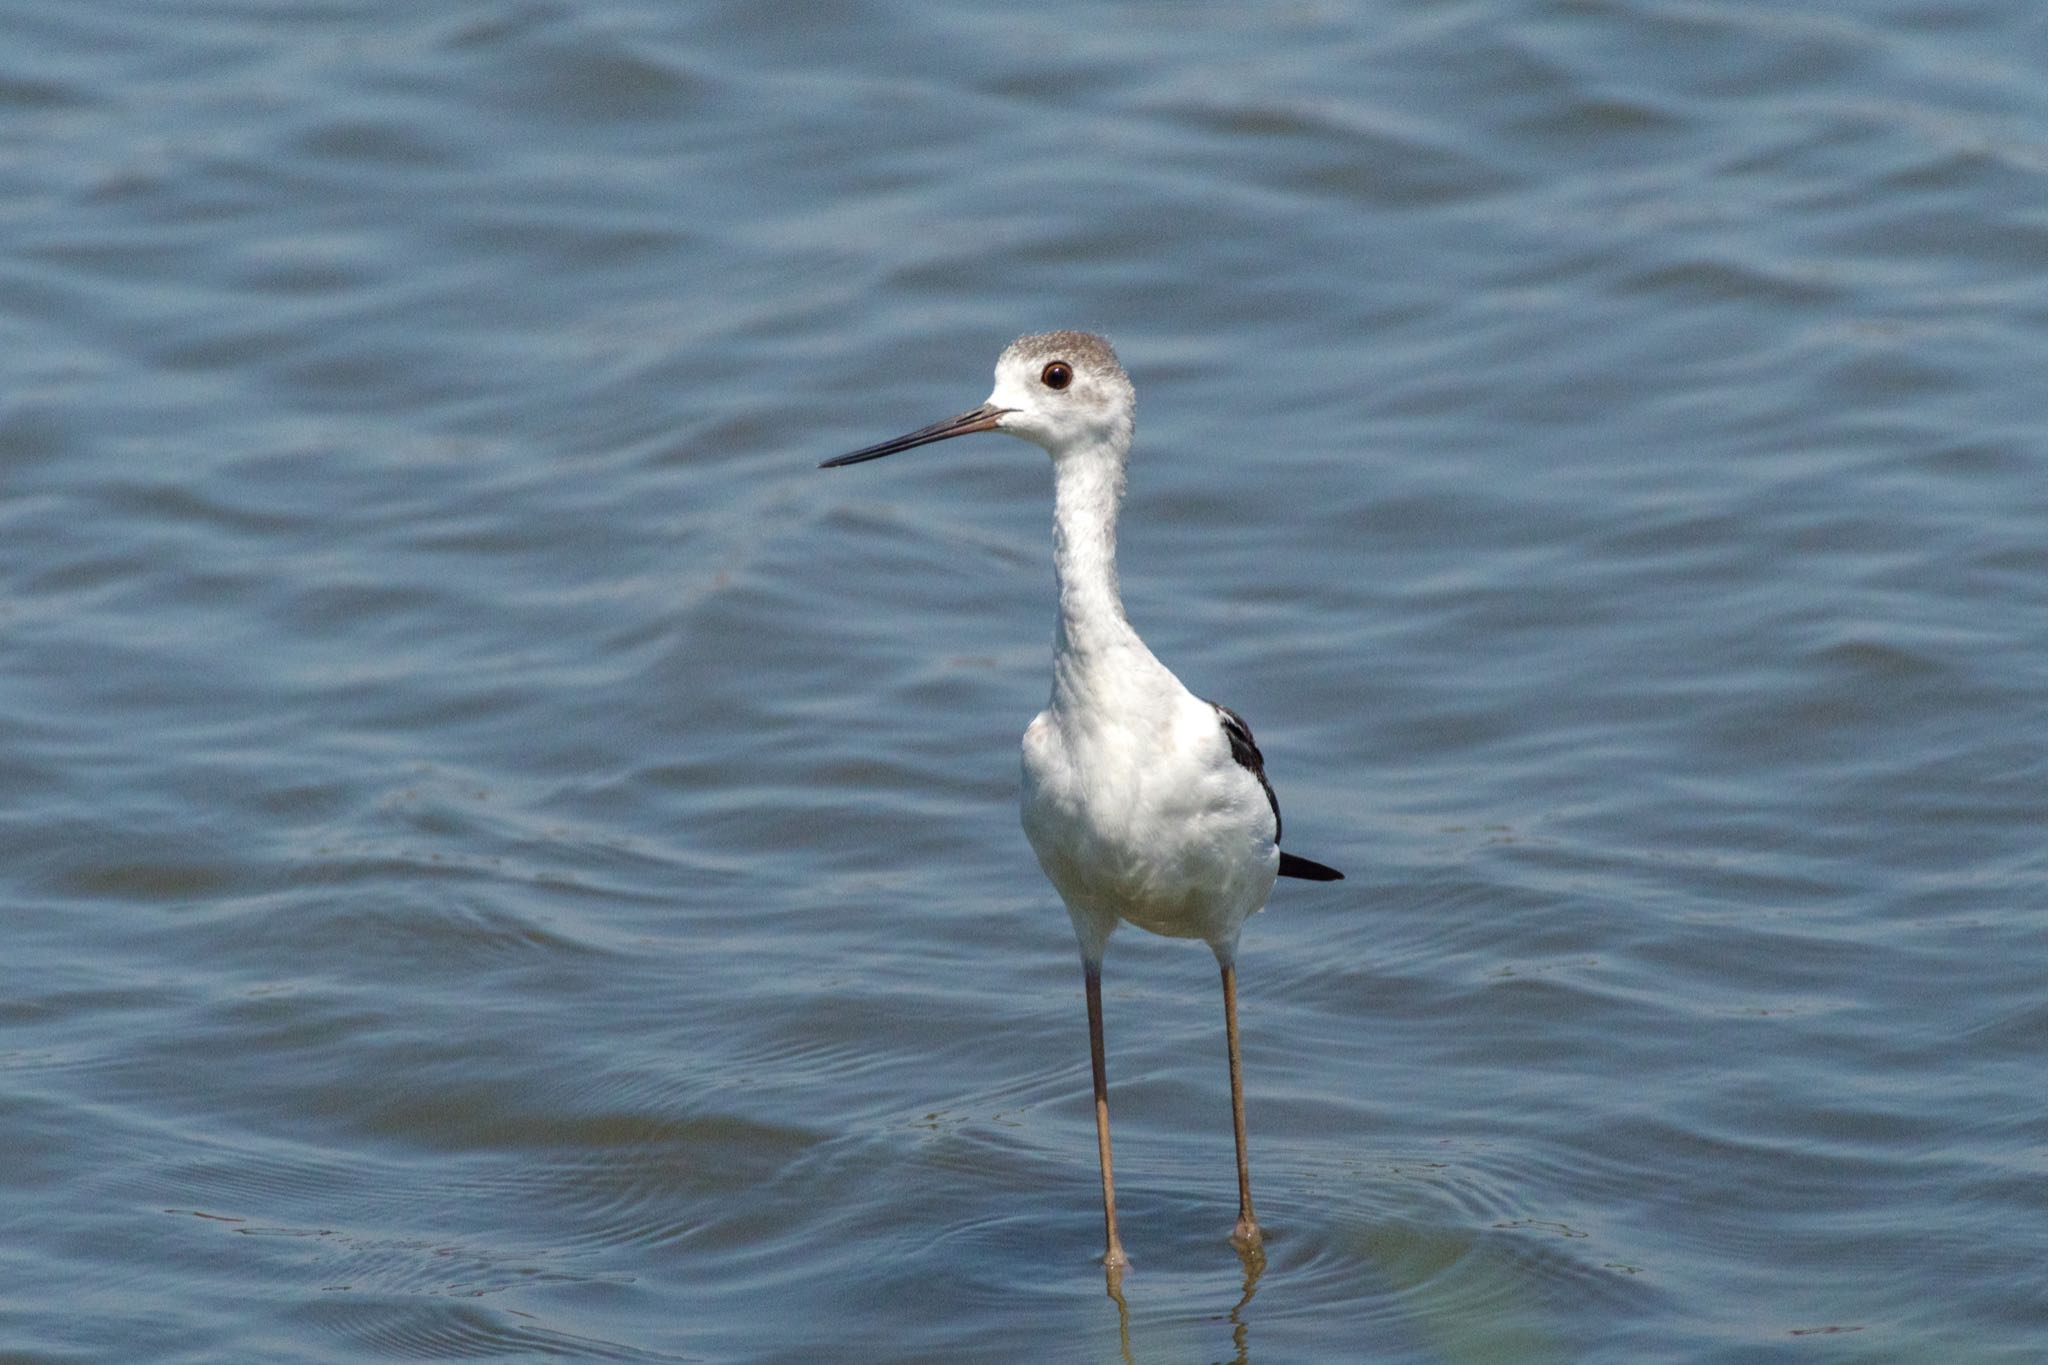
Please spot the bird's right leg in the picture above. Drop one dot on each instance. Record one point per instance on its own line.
(1113, 1259)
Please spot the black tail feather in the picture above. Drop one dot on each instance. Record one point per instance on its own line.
(1308, 869)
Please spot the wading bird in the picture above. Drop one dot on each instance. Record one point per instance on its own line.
(1144, 803)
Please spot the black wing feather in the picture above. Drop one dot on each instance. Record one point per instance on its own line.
(1308, 869)
(1245, 750)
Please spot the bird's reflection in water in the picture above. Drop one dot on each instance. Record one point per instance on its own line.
(1113, 1279)
(1253, 1260)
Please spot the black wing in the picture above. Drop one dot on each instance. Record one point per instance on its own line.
(1308, 869)
(1245, 750)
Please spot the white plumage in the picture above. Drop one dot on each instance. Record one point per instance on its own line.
(1144, 803)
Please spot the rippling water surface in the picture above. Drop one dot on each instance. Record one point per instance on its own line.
(502, 858)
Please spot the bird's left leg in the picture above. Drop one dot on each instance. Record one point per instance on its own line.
(1246, 1236)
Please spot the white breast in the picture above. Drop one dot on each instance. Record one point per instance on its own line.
(1140, 814)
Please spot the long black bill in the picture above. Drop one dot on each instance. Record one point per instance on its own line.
(982, 418)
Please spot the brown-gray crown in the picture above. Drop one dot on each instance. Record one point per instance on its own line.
(1085, 351)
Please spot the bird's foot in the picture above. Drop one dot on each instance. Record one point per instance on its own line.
(1246, 1237)
(1114, 1261)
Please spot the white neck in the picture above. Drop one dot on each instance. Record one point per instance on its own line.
(1093, 643)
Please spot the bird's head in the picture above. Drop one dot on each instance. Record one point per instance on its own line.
(1063, 391)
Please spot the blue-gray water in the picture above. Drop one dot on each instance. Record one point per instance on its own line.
(502, 858)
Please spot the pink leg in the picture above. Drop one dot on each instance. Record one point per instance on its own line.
(1246, 1235)
(1113, 1258)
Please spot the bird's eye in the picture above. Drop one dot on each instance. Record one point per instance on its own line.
(1057, 375)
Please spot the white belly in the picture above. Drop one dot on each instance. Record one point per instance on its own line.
(1148, 827)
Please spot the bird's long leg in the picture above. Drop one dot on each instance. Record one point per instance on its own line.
(1113, 1258)
(1246, 1235)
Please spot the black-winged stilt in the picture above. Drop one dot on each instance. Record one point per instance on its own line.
(1144, 803)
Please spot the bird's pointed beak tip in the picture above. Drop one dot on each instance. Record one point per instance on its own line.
(987, 417)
